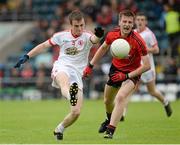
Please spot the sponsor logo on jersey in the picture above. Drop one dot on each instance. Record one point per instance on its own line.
(72, 51)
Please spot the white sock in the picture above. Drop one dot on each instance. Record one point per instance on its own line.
(165, 102)
(60, 128)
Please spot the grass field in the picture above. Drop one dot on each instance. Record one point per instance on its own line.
(32, 122)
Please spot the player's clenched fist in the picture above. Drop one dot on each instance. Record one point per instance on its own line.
(22, 60)
(99, 32)
(88, 70)
(119, 76)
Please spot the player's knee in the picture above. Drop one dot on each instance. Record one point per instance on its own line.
(107, 101)
(64, 92)
(76, 112)
(120, 98)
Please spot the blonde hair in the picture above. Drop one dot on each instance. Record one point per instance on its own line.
(127, 13)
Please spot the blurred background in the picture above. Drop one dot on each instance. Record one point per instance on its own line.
(26, 23)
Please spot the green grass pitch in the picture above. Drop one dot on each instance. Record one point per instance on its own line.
(33, 122)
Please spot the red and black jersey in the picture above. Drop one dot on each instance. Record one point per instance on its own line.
(138, 49)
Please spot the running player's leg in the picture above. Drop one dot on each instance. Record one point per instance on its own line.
(121, 101)
(109, 94)
(157, 94)
(126, 107)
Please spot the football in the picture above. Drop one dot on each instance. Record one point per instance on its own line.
(120, 48)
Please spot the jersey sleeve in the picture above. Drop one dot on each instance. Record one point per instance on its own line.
(143, 47)
(88, 37)
(141, 43)
(108, 39)
(55, 39)
(152, 39)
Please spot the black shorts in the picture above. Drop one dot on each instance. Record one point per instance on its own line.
(112, 70)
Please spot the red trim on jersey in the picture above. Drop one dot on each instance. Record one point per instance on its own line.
(50, 42)
(75, 36)
(91, 40)
(141, 42)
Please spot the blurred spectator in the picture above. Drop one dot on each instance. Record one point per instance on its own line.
(27, 73)
(59, 14)
(1, 75)
(54, 25)
(114, 7)
(104, 18)
(170, 70)
(69, 6)
(26, 5)
(41, 80)
(39, 32)
(14, 74)
(178, 74)
(172, 26)
(89, 8)
(128, 4)
(13, 5)
(1, 71)
(29, 44)
(91, 24)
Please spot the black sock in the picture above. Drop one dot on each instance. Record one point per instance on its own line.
(108, 116)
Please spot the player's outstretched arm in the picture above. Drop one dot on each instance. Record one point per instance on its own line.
(36, 50)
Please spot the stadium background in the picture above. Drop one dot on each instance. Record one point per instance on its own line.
(26, 23)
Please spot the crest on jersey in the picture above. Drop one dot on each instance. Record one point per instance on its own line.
(80, 42)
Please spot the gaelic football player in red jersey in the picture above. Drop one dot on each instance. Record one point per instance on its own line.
(124, 74)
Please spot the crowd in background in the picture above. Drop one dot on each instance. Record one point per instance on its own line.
(51, 16)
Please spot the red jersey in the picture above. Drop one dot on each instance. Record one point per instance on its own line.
(138, 49)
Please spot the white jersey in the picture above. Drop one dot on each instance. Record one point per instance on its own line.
(150, 41)
(73, 55)
(74, 51)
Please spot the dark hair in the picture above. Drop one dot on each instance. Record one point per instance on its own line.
(141, 14)
(127, 13)
(75, 15)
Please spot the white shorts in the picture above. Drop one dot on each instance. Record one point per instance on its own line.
(73, 74)
(148, 76)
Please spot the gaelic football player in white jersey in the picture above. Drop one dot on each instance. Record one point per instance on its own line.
(149, 77)
(75, 45)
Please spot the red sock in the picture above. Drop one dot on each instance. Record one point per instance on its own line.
(111, 128)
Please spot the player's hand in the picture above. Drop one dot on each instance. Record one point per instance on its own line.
(99, 32)
(22, 60)
(88, 70)
(119, 76)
